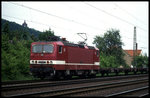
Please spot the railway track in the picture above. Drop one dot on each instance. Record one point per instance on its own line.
(141, 92)
(57, 88)
(88, 91)
(39, 83)
(22, 82)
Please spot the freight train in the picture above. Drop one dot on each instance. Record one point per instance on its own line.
(59, 58)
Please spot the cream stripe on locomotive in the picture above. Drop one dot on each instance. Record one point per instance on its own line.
(46, 62)
(58, 62)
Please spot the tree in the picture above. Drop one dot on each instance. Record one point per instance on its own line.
(33, 37)
(6, 28)
(110, 45)
(45, 35)
(15, 53)
(5, 43)
(141, 61)
(108, 61)
(15, 58)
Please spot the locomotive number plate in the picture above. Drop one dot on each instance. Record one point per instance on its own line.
(42, 62)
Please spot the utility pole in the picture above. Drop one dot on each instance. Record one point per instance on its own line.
(134, 47)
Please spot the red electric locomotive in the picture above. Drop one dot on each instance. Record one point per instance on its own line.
(59, 58)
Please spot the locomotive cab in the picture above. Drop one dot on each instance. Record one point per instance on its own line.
(42, 51)
(42, 54)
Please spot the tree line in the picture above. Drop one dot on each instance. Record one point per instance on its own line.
(111, 52)
(15, 51)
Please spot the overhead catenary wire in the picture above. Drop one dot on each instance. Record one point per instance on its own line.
(56, 27)
(70, 20)
(85, 13)
(49, 25)
(113, 15)
(129, 13)
(59, 17)
(88, 15)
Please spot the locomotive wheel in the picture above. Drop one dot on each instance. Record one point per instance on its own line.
(57, 75)
(42, 77)
(116, 73)
(135, 72)
(68, 77)
(92, 75)
(82, 76)
(102, 74)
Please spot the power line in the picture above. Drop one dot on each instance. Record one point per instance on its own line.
(129, 13)
(66, 19)
(27, 20)
(144, 47)
(57, 16)
(55, 26)
(88, 15)
(113, 15)
(45, 13)
(33, 22)
(36, 22)
(83, 12)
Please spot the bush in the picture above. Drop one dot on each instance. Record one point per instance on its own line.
(15, 59)
(108, 61)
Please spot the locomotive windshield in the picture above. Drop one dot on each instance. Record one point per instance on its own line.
(42, 48)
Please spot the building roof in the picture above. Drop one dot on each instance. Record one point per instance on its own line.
(130, 52)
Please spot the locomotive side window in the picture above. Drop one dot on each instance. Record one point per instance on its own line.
(97, 53)
(60, 49)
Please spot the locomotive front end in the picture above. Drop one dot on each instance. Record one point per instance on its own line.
(41, 64)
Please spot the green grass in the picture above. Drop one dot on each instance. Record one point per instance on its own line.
(19, 77)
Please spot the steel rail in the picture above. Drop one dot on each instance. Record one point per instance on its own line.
(14, 82)
(146, 94)
(57, 83)
(128, 91)
(66, 91)
(107, 86)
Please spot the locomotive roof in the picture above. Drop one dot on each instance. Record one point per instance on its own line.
(59, 41)
(66, 43)
(77, 45)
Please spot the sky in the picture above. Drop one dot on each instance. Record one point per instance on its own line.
(67, 19)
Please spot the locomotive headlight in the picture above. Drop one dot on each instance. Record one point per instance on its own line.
(31, 61)
(35, 62)
(51, 62)
(47, 62)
